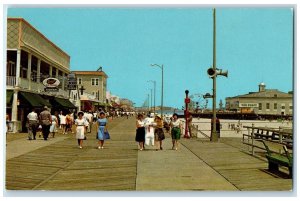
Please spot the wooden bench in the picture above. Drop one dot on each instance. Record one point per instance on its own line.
(275, 159)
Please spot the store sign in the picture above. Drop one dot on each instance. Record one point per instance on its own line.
(72, 82)
(51, 89)
(248, 105)
(51, 84)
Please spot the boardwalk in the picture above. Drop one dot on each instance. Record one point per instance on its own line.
(198, 165)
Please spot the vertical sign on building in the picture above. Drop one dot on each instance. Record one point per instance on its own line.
(72, 82)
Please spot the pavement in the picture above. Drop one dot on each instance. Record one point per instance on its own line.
(195, 166)
(171, 170)
(20, 146)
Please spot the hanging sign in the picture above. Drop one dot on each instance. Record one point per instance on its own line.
(51, 84)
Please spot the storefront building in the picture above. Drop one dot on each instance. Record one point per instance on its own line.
(32, 58)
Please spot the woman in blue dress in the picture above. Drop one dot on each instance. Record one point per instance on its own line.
(101, 127)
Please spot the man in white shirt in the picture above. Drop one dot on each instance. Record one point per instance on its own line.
(89, 118)
(149, 130)
(32, 119)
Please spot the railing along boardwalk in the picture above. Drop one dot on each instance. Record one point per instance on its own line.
(275, 137)
(63, 166)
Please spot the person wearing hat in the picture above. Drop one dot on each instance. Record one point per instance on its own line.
(80, 124)
(45, 121)
(159, 135)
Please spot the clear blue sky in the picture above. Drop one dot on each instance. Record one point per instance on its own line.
(254, 44)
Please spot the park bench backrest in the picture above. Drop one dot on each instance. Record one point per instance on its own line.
(267, 148)
(288, 155)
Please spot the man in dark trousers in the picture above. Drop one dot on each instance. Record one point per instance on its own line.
(46, 121)
(33, 123)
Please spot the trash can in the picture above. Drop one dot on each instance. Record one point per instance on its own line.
(218, 127)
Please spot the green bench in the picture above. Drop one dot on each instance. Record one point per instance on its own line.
(275, 159)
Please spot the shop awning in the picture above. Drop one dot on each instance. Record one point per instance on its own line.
(9, 95)
(35, 100)
(65, 103)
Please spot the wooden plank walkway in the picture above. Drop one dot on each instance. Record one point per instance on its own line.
(120, 166)
(239, 168)
(52, 167)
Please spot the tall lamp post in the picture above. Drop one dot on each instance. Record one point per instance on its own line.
(162, 87)
(151, 101)
(154, 82)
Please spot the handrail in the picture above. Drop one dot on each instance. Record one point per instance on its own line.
(251, 136)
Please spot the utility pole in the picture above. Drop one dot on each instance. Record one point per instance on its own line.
(214, 136)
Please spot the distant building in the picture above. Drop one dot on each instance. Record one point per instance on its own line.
(265, 101)
(94, 85)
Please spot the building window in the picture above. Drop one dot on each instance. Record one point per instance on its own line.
(95, 81)
(23, 72)
(34, 75)
(268, 106)
(275, 95)
(11, 69)
(79, 81)
(283, 107)
(291, 107)
(259, 106)
(275, 106)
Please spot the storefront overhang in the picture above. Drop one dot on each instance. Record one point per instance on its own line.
(35, 100)
(9, 95)
(64, 103)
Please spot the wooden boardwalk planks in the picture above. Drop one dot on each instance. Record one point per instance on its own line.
(62, 166)
(239, 168)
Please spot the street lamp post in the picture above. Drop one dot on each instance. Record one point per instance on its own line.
(154, 82)
(162, 87)
(148, 103)
(151, 101)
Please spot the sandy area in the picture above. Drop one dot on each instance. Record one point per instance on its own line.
(229, 126)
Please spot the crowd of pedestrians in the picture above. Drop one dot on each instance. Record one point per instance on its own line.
(46, 123)
(149, 131)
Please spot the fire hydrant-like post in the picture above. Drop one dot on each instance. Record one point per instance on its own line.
(187, 100)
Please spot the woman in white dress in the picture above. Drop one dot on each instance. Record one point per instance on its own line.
(62, 119)
(53, 125)
(81, 125)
